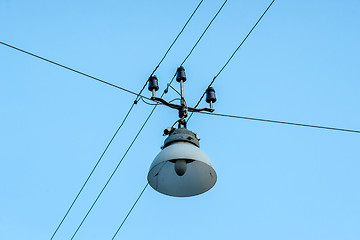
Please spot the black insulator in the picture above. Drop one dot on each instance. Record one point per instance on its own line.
(210, 95)
(153, 83)
(180, 74)
(183, 111)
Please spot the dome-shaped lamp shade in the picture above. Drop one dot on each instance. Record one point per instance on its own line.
(182, 170)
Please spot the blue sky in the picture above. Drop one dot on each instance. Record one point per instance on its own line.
(301, 64)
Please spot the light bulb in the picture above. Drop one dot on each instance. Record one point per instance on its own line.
(180, 167)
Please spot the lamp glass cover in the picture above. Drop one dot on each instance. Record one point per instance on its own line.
(199, 177)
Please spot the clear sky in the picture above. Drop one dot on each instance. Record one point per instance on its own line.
(278, 182)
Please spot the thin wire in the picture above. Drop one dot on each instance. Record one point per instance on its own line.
(100, 80)
(181, 31)
(175, 90)
(282, 122)
(167, 51)
(122, 123)
(68, 68)
(232, 55)
(113, 173)
(204, 32)
(152, 111)
(91, 173)
(152, 104)
(127, 215)
(179, 99)
(197, 42)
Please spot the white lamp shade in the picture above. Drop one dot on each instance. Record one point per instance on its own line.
(199, 177)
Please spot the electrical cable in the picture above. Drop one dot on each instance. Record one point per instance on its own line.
(91, 173)
(179, 99)
(172, 44)
(113, 173)
(174, 89)
(98, 79)
(151, 104)
(127, 215)
(197, 42)
(152, 111)
(126, 116)
(179, 34)
(232, 55)
(204, 32)
(282, 122)
(71, 69)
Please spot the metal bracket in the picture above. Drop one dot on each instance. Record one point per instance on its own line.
(178, 107)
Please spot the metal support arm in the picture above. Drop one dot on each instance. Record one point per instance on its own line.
(178, 107)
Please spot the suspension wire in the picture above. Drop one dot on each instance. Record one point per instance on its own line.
(147, 119)
(151, 104)
(192, 49)
(179, 33)
(113, 173)
(282, 122)
(172, 44)
(126, 116)
(232, 55)
(127, 215)
(175, 90)
(204, 32)
(91, 173)
(175, 99)
(103, 81)
(68, 68)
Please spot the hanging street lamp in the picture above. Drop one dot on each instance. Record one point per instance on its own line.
(181, 169)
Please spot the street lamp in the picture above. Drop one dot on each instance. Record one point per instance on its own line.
(181, 169)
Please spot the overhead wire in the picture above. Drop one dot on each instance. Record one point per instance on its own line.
(217, 13)
(71, 69)
(282, 122)
(126, 116)
(91, 173)
(232, 55)
(112, 174)
(141, 128)
(151, 104)
(98, 79)
(131, 209)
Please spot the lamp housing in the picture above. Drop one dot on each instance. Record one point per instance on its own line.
(181, 169)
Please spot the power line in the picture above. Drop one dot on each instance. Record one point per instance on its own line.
(91, 173)
(172, 44)
(204, 32)
(232, 55)
(152, 111)
(282, 122)
(180, 32)
(68, 68)
(122, 123)
(113, 173)
(127, 215)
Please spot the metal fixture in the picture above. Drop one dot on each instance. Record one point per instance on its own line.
(181, 169)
